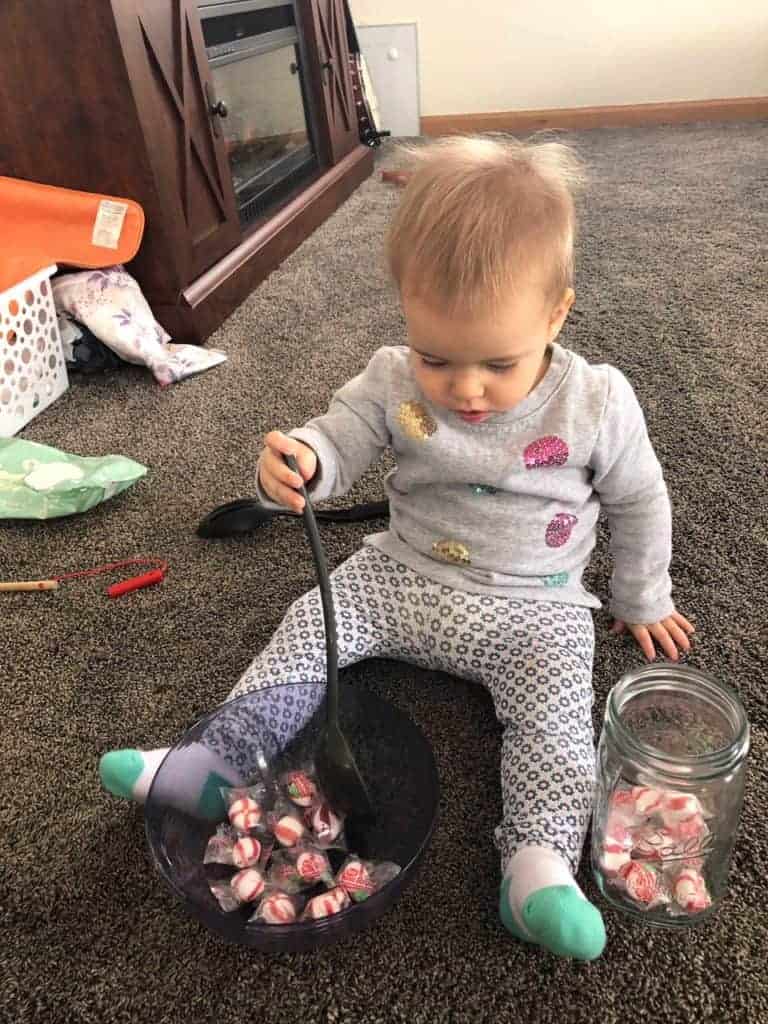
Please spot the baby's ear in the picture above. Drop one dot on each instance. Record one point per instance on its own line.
(560, 311)
(568, 299)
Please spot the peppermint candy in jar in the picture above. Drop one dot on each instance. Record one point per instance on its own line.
(694, 827)
(244, 887)
(284, 874)
(248, 884)
(622, 807)
(360, 878)
(325, 905)
(652, 843)
(313, 866)
(616, 847)
(647, 800)
(690, 891)
(643, 884)
(300, 868)
(325, 823)
(245, 806)
(288, 830)
(246, 852)
(286, 823)
(277, 908)
(245, 814)
(300, 787)
(677, 807)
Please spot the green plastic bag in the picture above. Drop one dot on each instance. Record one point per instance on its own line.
(38, 482)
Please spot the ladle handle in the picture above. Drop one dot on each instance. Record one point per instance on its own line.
(329, 616)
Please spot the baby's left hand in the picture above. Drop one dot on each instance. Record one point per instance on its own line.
(670, 634)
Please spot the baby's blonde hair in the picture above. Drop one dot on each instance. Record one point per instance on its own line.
(480, 214)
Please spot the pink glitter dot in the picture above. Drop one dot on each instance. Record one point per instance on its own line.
(546, 451)
(560, 529)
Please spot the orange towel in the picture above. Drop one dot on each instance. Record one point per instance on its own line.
(42, 224)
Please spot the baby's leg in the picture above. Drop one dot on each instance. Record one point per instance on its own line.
(296, 653)
(536, 660)
(542, 690)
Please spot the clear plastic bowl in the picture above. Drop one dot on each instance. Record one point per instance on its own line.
(393, 755)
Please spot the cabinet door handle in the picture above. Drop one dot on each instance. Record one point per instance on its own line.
(216, 110)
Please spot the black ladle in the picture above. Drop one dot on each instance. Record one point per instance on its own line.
(337, 771)
(246, 514)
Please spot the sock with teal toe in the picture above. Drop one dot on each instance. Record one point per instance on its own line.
(541, 903)
(190, 782)
(128, 773)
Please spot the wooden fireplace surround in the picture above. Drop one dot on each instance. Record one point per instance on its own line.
(113, 97)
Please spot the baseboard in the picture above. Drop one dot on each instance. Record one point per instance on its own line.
(748, 108)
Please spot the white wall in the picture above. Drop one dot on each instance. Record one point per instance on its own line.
(526, 55)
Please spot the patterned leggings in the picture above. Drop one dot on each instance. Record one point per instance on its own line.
(535, 659)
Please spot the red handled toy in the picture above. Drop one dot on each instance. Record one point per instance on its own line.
(147, 579)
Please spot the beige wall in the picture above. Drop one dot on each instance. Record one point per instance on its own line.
(525, 55)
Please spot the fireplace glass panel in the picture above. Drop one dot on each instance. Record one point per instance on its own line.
(257, 77)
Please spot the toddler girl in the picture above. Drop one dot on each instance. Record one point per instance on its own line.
(506, 446)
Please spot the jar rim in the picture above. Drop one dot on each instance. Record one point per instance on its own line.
(649, 677)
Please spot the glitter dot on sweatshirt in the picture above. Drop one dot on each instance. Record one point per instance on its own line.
(414, 421)
(557, 579)
(452, 551)
(560, 529)
(546, 451)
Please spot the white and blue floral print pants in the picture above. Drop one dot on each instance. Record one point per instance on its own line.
(534, 658)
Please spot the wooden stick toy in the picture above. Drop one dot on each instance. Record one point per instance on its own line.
(30, 585)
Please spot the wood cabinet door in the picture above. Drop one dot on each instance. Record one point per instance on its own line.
(167, 64)
(329, 25)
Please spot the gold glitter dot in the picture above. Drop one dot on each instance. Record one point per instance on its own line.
(452, 551)
(415, 422)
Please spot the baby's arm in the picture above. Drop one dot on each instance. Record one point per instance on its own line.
(335, 449)
(630, 482)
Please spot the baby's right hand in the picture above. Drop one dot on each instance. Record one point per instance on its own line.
(279, 482)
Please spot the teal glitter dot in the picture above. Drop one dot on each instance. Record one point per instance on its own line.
(557, 579)
(480, 489)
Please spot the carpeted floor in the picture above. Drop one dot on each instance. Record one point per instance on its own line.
(671, 288)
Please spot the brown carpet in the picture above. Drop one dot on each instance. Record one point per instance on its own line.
(671, 288)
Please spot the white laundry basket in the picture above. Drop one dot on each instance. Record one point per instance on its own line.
(32, 369)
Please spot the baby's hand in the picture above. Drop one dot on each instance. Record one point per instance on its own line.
(279, 482)
(670, 634)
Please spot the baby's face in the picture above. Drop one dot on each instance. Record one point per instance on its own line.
(477, 365)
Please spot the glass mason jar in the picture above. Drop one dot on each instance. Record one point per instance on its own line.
(670, 779)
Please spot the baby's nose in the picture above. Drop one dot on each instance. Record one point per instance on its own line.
(466, 384)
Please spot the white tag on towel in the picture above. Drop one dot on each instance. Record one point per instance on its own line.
(108, 225)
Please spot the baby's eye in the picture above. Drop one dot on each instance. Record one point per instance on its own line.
(500, 367)
(428, 361)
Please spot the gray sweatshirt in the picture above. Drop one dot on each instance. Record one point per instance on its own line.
(508, 506)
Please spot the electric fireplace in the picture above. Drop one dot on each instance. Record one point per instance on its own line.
(260, 104)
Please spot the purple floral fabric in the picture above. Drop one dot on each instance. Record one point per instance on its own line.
(110, 303)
